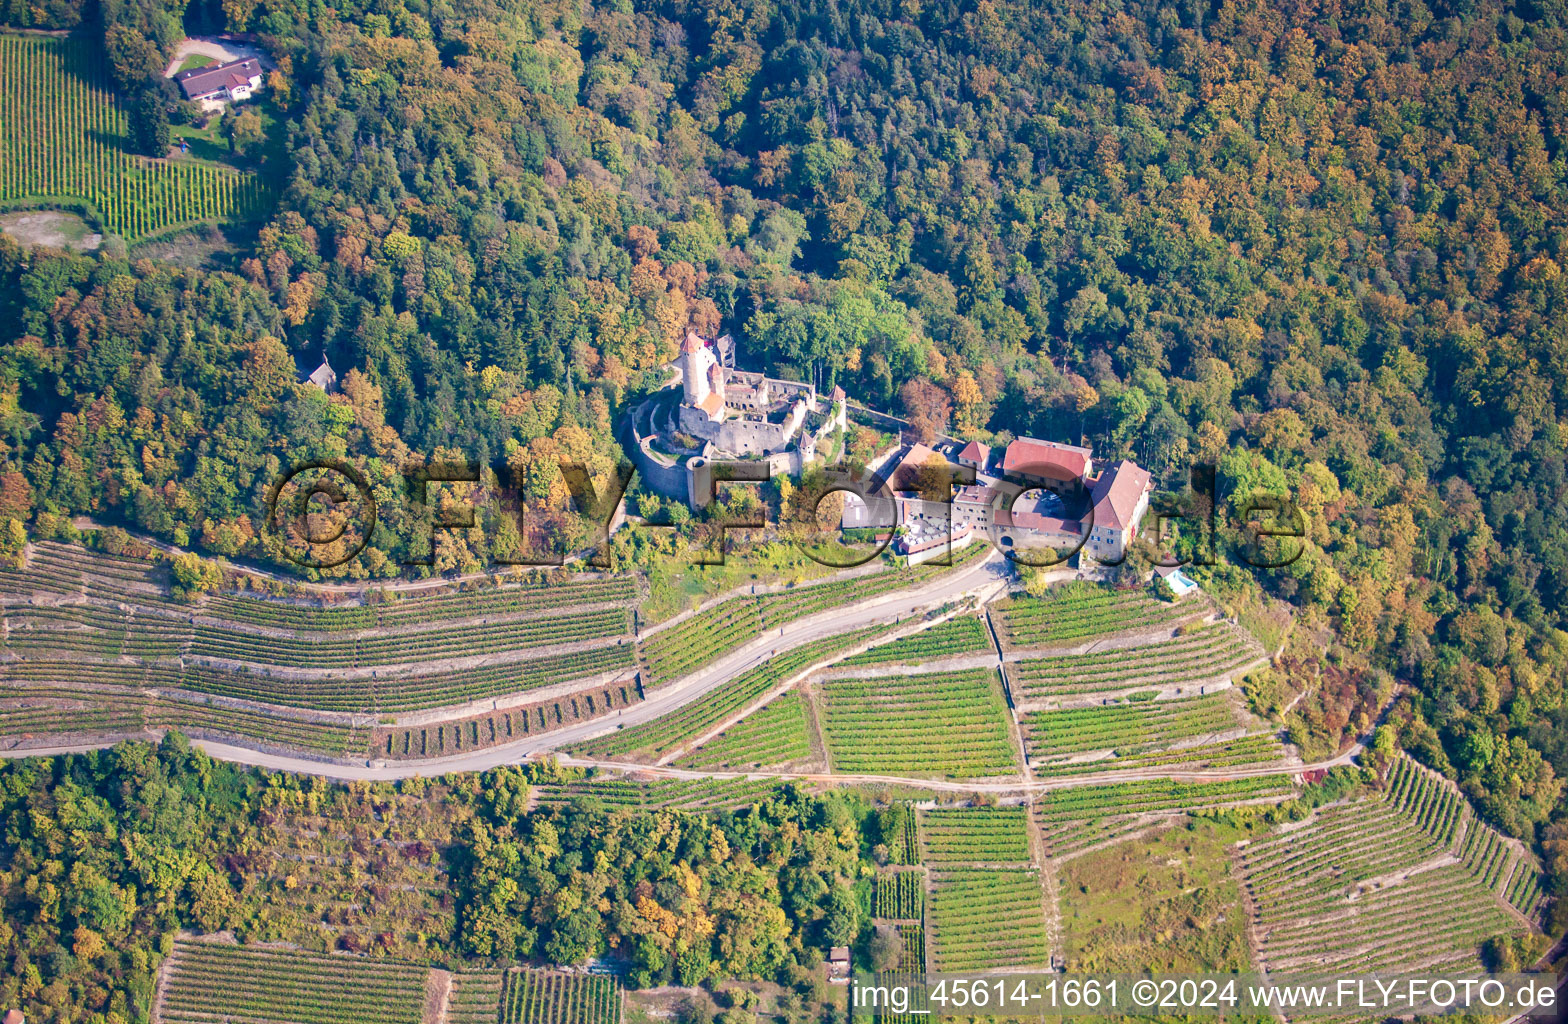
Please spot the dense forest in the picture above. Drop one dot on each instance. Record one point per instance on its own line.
(1319, 243)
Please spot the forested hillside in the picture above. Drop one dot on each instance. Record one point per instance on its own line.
(1321, 244)
(109, 854)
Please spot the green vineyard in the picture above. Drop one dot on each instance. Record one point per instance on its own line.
(209, 981)
(899, 896)
(775, 735)
(983, 918)
(948, 723)
(1074, 612)
(552, 997)
(948, 639)
(1206, 653)
(1435, 808)
(975, 836)
(1072, 820)
(1365, 881)
(1125, 727)
(653, 739)
(474, 998)
(62, 135)
(697, 640)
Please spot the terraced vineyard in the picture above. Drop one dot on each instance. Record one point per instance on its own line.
(963, 635)
(899, 895)
(110, 633)
(1074, 819)
(996, 835)
(78, 712)
(677, 650)
(1260, 749)
(206, 982)
(945, 723)
(904, 846)
(1500, 868)
(1127, 727)
(412, 608)
(690, 794)
(986, 918)
(1424, 797)
(654, 739)
(120, 630)
(1361, 883)
(1206, 653)
(63, 137)
(775, 735)
(553, 997)
(491, 728)
(913, 957)
(1074, 612)
(1437, 808)
(911, 979)
(474, 998)
(709, 634)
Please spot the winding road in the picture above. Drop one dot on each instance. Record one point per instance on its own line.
(986, 576)
(983, 579)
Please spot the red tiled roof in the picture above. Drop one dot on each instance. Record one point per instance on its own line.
(1115, 494)
(711, 403)
(692, 342)
(903, 475)
(207, 80)
(1029, 457)
(974, 451)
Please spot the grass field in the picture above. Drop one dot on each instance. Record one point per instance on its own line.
(944, 723)
(63, 134)
(1165, 903)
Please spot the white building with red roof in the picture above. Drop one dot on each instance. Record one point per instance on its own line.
(1119, 497)
(975, 455)
(217, 84)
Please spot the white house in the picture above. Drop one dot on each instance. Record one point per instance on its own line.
(1120, 497)
(217, 84)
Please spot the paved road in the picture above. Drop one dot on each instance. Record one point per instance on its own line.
(983, 575)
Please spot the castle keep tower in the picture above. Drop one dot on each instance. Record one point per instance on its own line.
(696, 361)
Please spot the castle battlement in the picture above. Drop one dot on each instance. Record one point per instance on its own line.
(738, 414)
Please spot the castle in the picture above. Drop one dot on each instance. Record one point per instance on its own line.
(726, 414)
